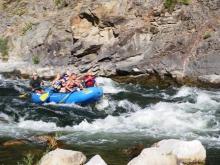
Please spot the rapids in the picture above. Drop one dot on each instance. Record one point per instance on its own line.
(127, 114)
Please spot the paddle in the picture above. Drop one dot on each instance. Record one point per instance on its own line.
(45, 96)
(23, 96)
(66, 97)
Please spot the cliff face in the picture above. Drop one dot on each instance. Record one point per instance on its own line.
(179, 40)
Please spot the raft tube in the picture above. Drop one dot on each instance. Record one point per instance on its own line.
(85, 96)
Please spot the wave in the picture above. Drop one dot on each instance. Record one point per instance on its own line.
(187, 112)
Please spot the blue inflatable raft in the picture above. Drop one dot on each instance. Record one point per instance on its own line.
(85, 96)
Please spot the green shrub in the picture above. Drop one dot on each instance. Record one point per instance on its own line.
(207, 35)
(27, 27)
(185, 2)
(35, 60)
(59, 3)
(27, 160)
(170, 4)
(4, 47)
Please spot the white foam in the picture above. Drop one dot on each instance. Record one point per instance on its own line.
(130, 107)
(185, 91)
(109, 86)
(160, 119)
(102, 104)
(4, 117)
(205, 99)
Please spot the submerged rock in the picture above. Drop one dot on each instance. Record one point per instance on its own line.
(15, 142)
(154, 156)
(96, 160)
(186, 151)
(134, 151)
(49, 140)
(63, 157)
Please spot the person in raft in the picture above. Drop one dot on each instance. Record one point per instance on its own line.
(89, 80)
(73, 84)
(70, 82)
(36, 83)
(67, 82)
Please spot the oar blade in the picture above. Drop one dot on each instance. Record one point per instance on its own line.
(22, 96)
(44, 97)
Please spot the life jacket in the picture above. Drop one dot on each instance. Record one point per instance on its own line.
(64, 77)
(89, 81)
(57, 85)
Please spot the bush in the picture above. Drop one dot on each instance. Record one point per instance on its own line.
(207, 35)
(27, 160)
(27, 27)
(58, 2)
(170, 4)
(4, 47)
(185, 2)
(35, 60)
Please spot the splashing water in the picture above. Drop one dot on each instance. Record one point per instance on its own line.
(126, 112)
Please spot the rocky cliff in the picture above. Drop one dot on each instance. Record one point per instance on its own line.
(136, 41)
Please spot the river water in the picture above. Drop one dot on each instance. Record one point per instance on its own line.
(127, 115)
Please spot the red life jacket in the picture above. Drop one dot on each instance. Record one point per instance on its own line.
(89, 81)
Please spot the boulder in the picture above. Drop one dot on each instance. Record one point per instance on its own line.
(134, 150)
(96, 160)
(49, 140)
(186, 151)
(14, 142)
(63, 157)
(154, 156)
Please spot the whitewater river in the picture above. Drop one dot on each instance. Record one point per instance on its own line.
(127, 115)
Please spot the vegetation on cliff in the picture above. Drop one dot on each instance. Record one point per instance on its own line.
(4, 47)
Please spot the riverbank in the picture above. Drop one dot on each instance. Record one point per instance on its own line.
(151, 78)
(112, 153)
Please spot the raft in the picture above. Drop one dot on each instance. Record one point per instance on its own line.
(85, 96)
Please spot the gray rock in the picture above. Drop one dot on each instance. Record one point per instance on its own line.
(153, 156)
(63, 157)
(187, 152)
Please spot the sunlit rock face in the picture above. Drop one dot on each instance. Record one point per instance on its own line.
(113, 37)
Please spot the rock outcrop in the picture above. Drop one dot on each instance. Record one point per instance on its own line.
(134, 39)
(63, 157)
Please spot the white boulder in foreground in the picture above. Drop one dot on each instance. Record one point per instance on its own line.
(172, 152)
(96, 160)
(63, 157)
(153, 156)
(186, 151)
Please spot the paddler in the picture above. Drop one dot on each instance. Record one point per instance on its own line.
(36, 83)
